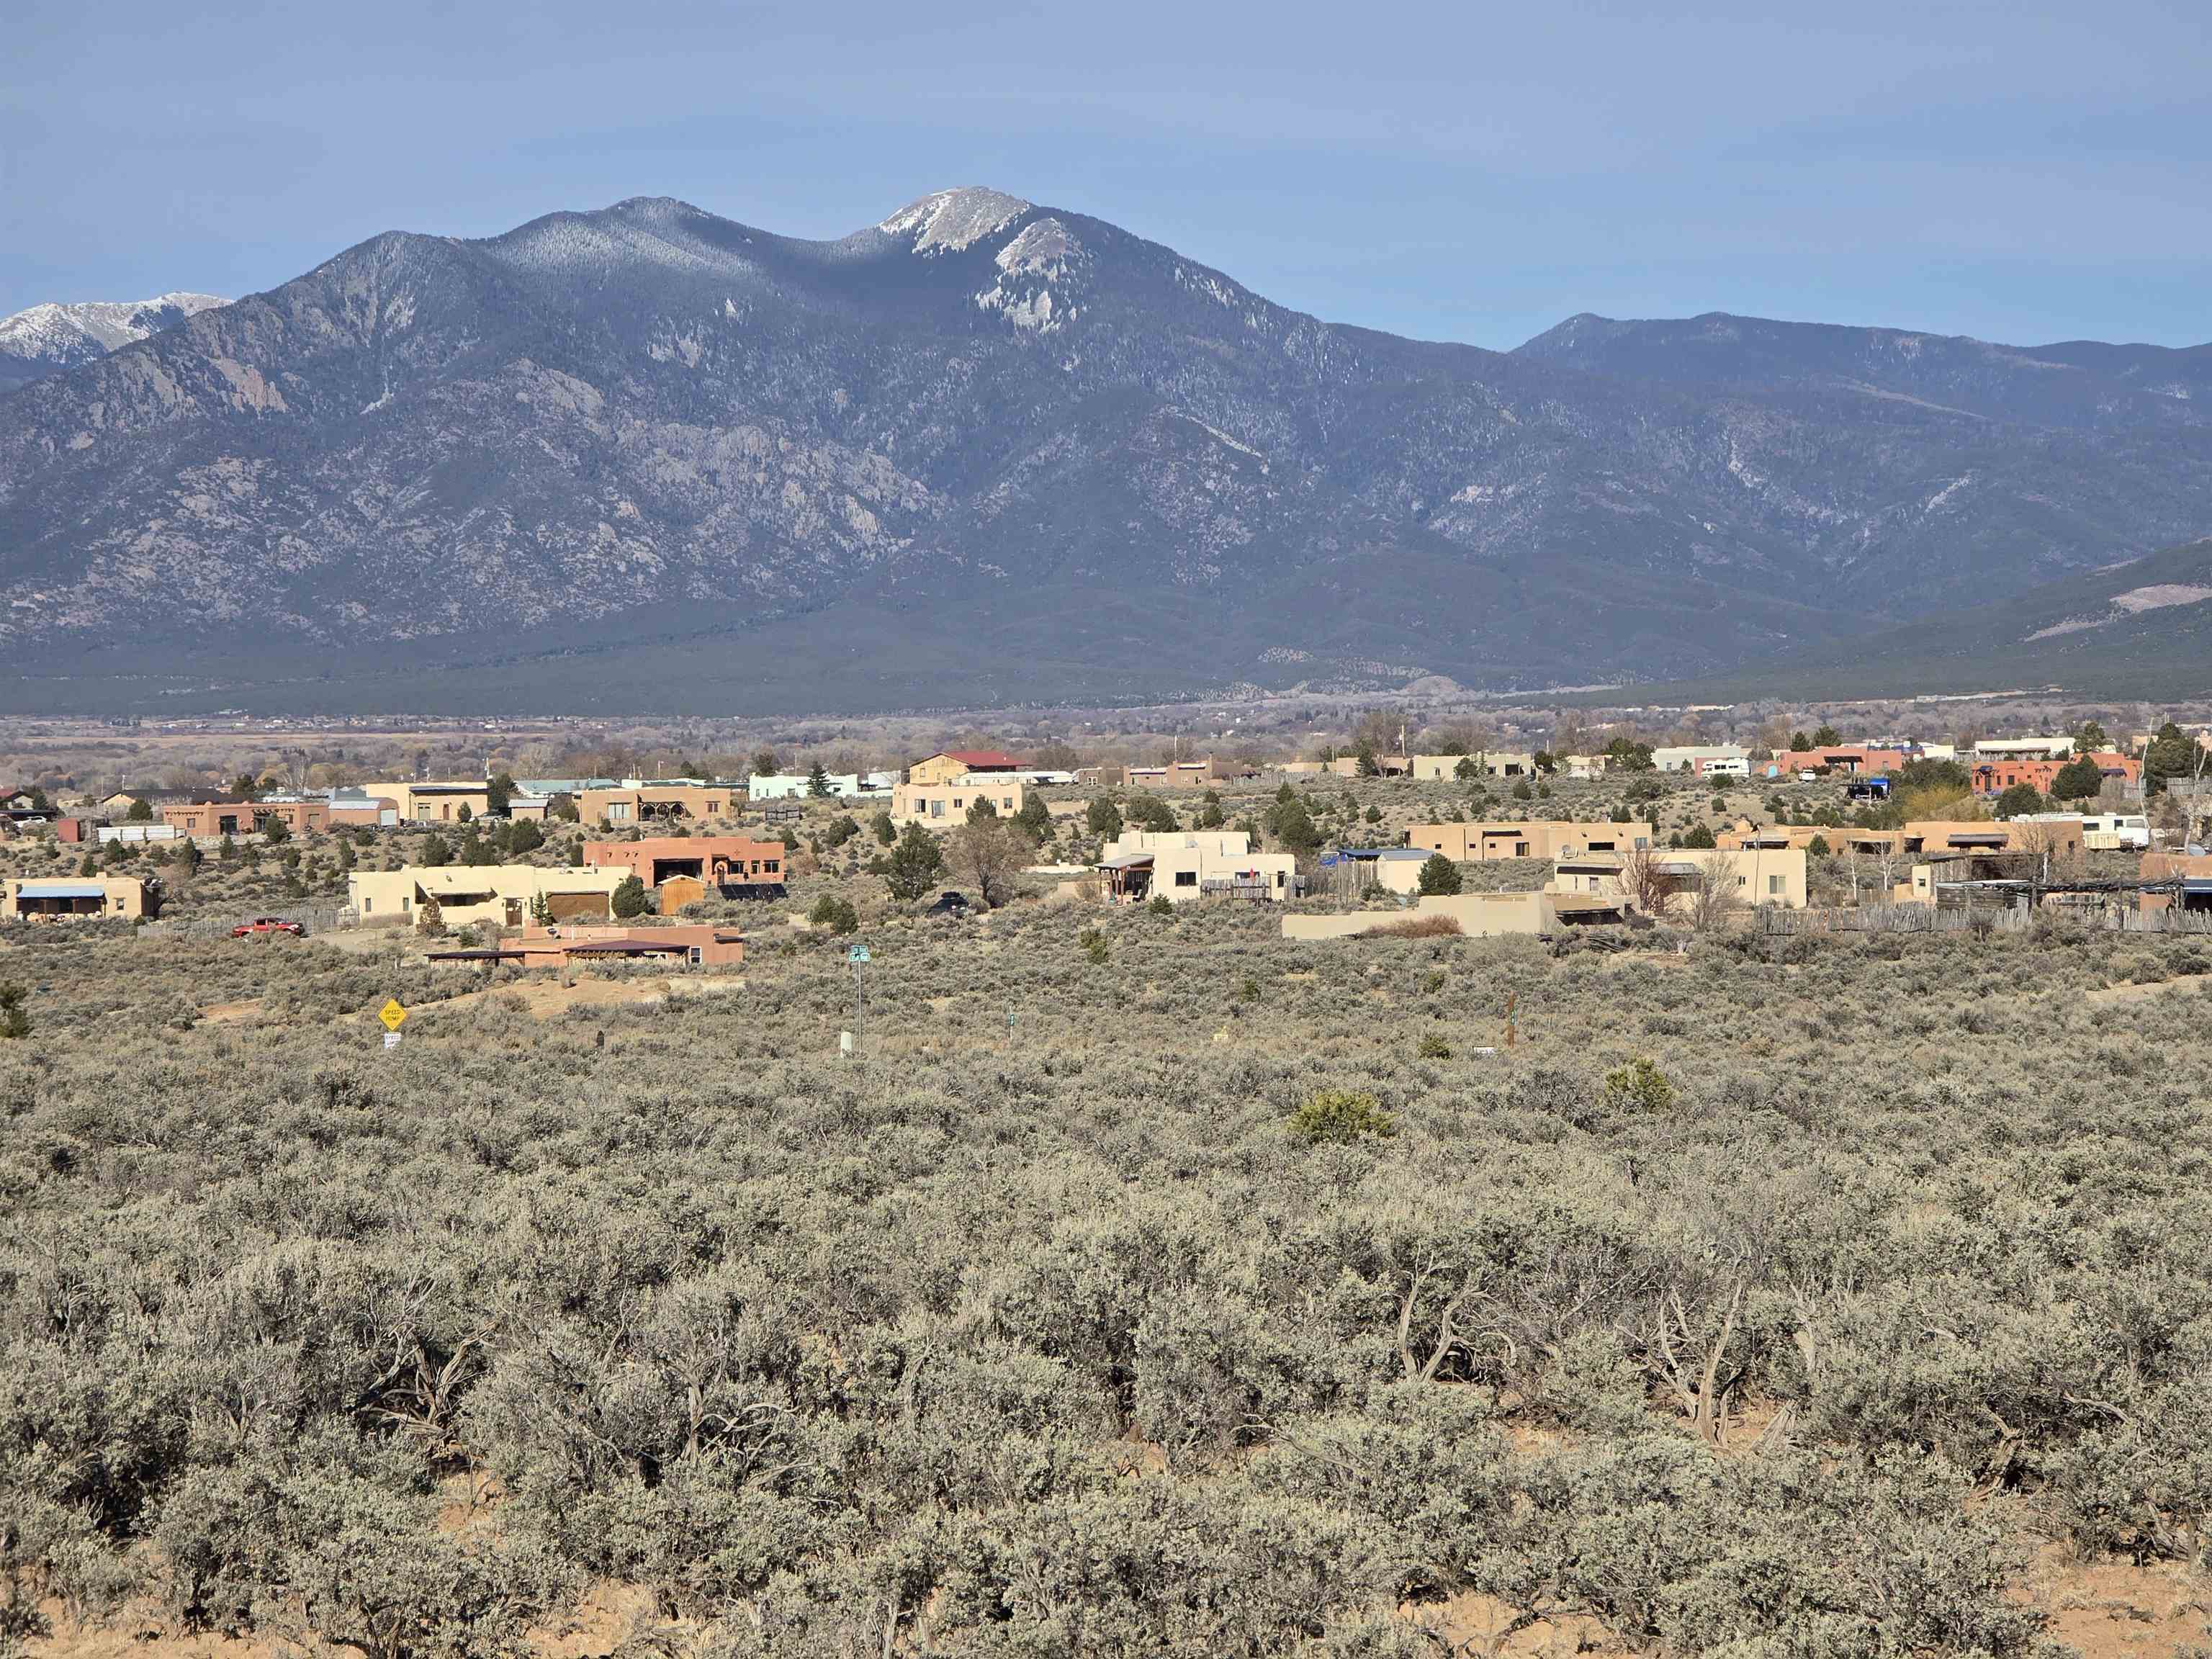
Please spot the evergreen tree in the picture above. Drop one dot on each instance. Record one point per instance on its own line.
(913, 864)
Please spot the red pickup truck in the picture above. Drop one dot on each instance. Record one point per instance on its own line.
(263, 926)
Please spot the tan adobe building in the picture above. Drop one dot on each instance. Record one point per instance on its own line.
(1479, 915)
(357, 809)
(697, 944)
(1177, 775)
(945, 805)
(1482, 843)
(1755, 877)
(504, 895)
(950, 765)
(78, 898)
(244, 817)
(434, 803)
(2193, 871)
(2060, 838)
(1487, 763)
(647, 803)
(713, 861)
(1180, 865)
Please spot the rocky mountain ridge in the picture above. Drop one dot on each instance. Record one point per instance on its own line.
(45, 337)
(985, 450)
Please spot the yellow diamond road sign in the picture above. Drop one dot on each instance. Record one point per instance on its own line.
(391, 1013)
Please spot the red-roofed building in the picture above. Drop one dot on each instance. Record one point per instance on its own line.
(951, 764)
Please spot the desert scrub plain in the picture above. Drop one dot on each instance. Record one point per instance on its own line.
(1152, 1285)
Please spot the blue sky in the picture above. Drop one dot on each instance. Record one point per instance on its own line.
(2022, 172)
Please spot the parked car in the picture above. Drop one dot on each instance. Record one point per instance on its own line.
(263, 926)
(949, 903)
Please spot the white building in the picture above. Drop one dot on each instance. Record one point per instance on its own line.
(1180, 866)
(1702, 757)
(846, 785)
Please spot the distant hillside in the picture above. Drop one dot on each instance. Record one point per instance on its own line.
(985, 451)
(37, 342)
(2139, 630)
(2079, 383)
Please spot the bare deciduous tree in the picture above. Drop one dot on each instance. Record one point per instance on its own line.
(986, 854)
(1712, 898)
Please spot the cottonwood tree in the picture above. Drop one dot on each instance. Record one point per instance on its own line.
(1712, 899)
(1644, 880)
(986, 854)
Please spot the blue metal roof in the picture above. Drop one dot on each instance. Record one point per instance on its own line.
(61, 890)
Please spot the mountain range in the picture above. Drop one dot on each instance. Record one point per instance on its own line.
(45, 337)
(985, 452)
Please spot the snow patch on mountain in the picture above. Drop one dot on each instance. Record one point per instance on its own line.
(600, 243)
(63, 334)
(1043, 249)
(1044, 252)
(948, 220)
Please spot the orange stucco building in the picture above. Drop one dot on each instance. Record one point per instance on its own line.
(721, 861)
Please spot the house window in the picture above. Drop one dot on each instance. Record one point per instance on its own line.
(1774, 885)
(1185, 878)
(1519, 849)
(368, 905)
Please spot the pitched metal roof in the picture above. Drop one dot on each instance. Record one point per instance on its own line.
(61, 890)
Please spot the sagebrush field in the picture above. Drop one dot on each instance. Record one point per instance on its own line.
(1151, 1285)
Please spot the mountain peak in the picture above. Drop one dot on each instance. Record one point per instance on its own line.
(52, 335)
(948, 220)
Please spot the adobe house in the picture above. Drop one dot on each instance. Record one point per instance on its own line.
(647, 803)
(1994, 777)
(1771, 876)
(1479, 915)
(1180, 866)
(1178, 774)
(245, 817)
(946, 806)
(435, 803)
(1487, 763)
(692, 943)
(77, 899)
(2061, 838)
(949, 764)
(2194, 872)
(734, 866)
(1479, 843)
(502, 894)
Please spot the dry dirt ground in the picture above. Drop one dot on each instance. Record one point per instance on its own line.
(2104, 1610)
